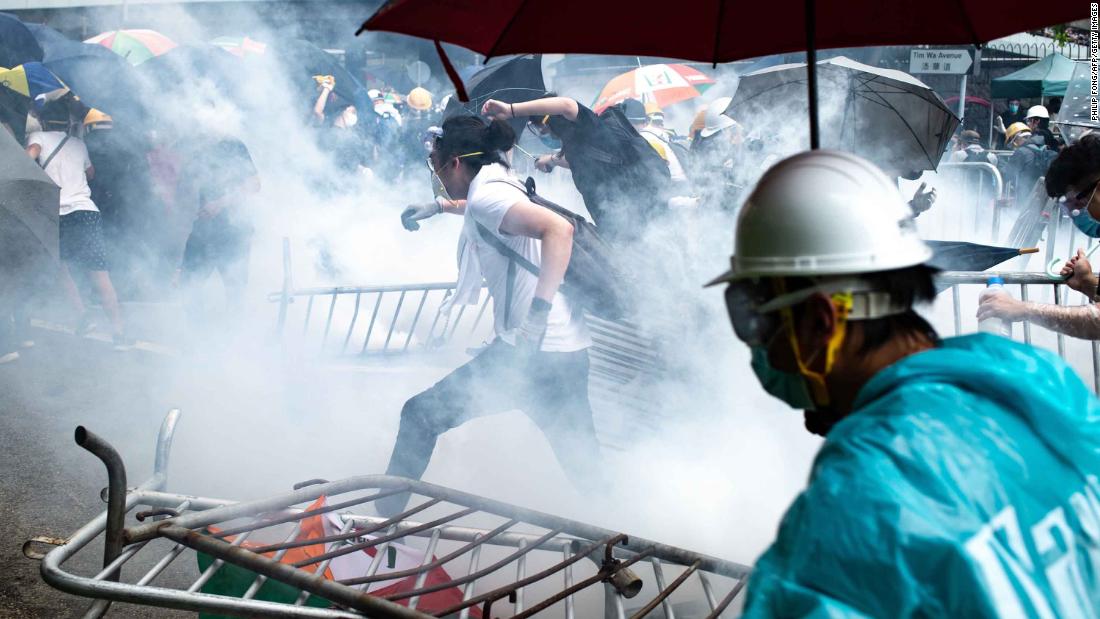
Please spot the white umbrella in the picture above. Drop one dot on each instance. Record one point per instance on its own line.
(886, 116)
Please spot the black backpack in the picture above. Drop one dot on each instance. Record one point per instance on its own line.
(643, 155)
(592, 279)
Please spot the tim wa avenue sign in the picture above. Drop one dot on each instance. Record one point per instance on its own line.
(943, 61)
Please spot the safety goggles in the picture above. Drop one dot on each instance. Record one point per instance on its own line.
(438, 188)
(1082, 198)
(754, 306)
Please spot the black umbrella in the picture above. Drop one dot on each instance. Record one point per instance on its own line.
(107, 83)
(56, 46)
(964, 256)
(301, 60)
(17, 43)
(28, 209)
(512, 80)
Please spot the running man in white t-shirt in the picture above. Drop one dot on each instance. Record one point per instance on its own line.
(65, 160)
(538, 362)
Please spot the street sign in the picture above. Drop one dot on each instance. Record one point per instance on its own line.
(942, 61)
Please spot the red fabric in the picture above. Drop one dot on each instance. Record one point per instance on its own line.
(711, 30)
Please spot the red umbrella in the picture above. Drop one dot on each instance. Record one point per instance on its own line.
(717, 31)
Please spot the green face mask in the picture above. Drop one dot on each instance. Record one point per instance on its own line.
(787, 386)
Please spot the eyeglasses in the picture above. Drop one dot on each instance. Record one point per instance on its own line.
(1082, 197)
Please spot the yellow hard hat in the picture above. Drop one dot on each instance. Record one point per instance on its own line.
(1013, 129)
(651, 107)
(95, 116)
(419, 99)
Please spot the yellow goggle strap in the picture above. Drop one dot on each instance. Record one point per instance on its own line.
(843, 303)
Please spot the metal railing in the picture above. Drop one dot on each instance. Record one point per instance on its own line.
(374, 321)
(982, 182)
(1082, 355)
(464, 555)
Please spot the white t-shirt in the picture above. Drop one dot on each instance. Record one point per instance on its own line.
(67, 169)
(486, 204)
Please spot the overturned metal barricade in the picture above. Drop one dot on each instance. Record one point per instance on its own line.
(505, 560)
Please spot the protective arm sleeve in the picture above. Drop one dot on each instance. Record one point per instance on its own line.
(1081, 321)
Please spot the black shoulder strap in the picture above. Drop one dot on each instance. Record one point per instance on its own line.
(55, 151)
(513, 259)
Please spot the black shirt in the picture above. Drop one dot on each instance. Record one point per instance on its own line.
(621, 190)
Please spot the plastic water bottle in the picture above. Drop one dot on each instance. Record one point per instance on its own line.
(994, 286)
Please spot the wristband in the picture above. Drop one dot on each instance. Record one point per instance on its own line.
(540, 305)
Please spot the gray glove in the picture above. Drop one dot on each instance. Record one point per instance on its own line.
(415, 212)
(922, 200)
(529, 335)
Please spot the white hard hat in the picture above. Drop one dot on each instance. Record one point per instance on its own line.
(822, 213)
(714, 120)
(1037, 111)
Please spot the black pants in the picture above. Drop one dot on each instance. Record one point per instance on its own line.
(550, 387)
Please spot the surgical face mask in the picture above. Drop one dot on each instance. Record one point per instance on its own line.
(1013, 108)
(351, 117)
(1086, 223)
(550, 141)
(786, 386)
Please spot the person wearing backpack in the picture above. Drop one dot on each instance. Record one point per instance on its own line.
(972, 151)
(64, 158)
(538, 361)
(1028, 163)
(624, 182)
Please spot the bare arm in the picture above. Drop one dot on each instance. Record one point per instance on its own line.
(319, 105)
(552, 106)
(90, 172)
(454, 207)
(556, 234)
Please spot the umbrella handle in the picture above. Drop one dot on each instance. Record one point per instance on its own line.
(1053, 266)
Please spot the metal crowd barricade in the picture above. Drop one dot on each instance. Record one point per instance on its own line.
(374, 321)
(1082, 355)
(486, 556)
(988, 186)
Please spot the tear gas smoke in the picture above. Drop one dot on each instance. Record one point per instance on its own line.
(261, 411)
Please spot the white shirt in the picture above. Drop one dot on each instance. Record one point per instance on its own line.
(486, 204)
(67, 169)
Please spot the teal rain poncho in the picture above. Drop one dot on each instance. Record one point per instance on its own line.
(963, 485)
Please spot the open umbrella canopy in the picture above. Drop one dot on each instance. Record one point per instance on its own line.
(714, 32)
(34, 81)
(56, 46)
(511, 80)
(108, 83)
(1048, 77)
(136, 46)
(884, 115)
(711, 31)
(663, 84)
(240, 46)
(302, 60)
(28, 207)
(17, 43)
